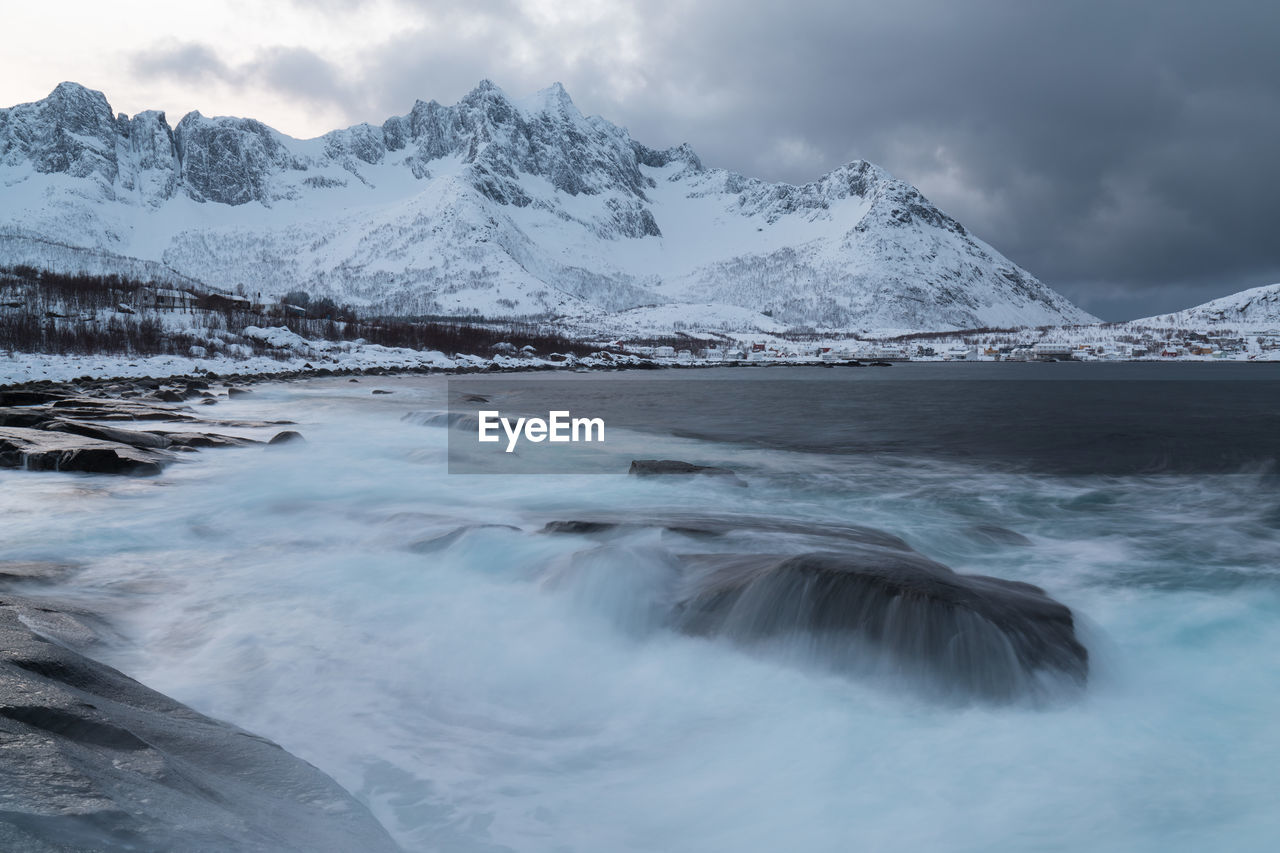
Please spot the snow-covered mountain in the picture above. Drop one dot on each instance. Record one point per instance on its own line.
(496, 207)
(1256, 307)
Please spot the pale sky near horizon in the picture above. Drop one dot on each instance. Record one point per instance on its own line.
(1123, 153)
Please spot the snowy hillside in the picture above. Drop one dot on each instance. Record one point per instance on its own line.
(493, 207)
(1257, 307)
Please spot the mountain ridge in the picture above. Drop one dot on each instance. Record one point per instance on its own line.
(499, 207)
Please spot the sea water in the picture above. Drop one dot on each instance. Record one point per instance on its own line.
(395, 625)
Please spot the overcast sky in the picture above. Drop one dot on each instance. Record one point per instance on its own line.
(1126, 153)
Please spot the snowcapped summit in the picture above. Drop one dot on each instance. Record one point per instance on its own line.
(551, 101)
(72, 131)
(498, 207)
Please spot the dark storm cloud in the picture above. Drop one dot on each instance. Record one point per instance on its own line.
(298, 71)
(293, 71)
(189, 63)
(1123, 152)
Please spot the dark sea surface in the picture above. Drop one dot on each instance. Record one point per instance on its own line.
(1059, 418)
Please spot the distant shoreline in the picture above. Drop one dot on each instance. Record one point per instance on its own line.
(87, 384)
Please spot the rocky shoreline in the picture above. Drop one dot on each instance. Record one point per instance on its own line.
(95, 761)
(91, 760)
(71, 427)
(39, 419)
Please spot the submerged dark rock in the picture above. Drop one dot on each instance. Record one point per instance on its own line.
(450, 420)
(794, 532)
(580, 527)
(444, 540)
(94, 761)
(33, 570)
(660, 467)
(872, 609)
(286, 437)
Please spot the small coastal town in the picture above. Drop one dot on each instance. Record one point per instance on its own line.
(1104, 342)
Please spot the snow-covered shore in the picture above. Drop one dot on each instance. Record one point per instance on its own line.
(293, 356)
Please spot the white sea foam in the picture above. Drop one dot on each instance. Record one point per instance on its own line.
(479, 705)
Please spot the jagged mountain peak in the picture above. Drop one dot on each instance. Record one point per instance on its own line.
(69, 94)
(498, 206)
(486, 88)
(553, 100)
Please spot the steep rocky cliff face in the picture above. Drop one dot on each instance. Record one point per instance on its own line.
(497, 207)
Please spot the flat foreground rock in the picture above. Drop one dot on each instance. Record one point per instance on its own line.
(91, 760)
(48, 450)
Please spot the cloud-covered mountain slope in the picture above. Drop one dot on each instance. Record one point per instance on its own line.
(495, 207)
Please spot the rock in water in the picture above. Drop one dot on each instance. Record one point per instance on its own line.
(286, 437)
(871, 609)
(24, 397)
(44, 450)
(31, 418)
(93, 408)
(659, 467)
(192, 440)
(132, 438)
(580, 526)
(91, 760)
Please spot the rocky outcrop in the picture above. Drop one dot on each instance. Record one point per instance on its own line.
(72, 132)
(29, 397)
(228, 160)
(93, 761)
(193, 440)
(130, 437)
(60, 429)
(47, 450)
(17, 417)
(107, 409)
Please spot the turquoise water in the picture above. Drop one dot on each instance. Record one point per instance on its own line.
(478, 701)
